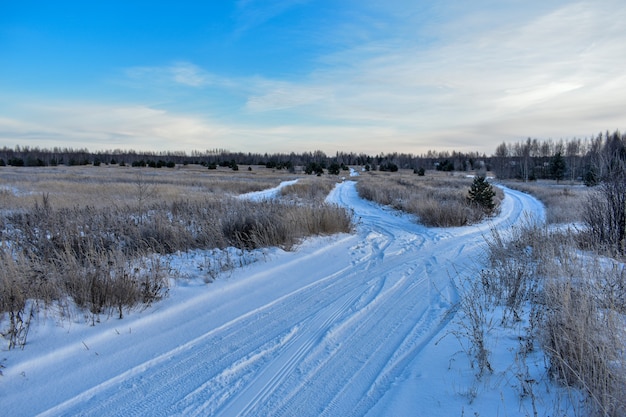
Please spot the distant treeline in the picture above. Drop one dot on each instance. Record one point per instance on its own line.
(575, 159)
(588, 160)
(34, 156)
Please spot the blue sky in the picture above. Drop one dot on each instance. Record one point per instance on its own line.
(302, 75)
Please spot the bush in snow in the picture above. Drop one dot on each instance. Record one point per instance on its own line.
(314, 168)
(605, 214)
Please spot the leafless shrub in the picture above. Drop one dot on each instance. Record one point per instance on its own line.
(515, 260)
(474, 325)
(522, 373)
(13, 296)
(144, 192)
(605, 215)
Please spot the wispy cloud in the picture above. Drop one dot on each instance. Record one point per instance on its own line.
(189, 74)
(110, 126)
(253, 13)
(548, 75)
(460, 75)
(179, 73)
(269, 95)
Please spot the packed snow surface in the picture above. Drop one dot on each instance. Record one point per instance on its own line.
(347, 325)
(268, 194)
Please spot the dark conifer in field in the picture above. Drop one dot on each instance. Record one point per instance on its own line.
(481, 193)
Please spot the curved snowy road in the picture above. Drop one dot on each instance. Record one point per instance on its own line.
(326, 330)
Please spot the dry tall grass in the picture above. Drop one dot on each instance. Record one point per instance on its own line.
(575, 303)
(106, 186)
(564, 203)
(437, 200)
(101, 255)
(310, 189)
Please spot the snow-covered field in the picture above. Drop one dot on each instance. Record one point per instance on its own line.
(349, 325)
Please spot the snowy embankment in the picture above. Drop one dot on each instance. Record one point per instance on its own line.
(344, 326)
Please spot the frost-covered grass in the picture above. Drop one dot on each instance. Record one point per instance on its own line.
(564, 202)
(569, 304)
(437, 199)
(108, 185)
(100, 256)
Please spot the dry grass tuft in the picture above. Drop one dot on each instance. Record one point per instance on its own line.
(437, 200)
(585, 344)
(310, 189)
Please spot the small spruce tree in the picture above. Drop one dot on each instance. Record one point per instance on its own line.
(334, 169)
(558, 167)
(591, 177)
(481, 193)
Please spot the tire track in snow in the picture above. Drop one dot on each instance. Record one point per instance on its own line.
(234, 338)
(368, 339)
(273, 376)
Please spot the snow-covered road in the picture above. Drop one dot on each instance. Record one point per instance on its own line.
(327, 330)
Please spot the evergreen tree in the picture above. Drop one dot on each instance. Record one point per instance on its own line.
(334, 169)
(558, 167)
(314, 168)
(481, 193)
(591, 177)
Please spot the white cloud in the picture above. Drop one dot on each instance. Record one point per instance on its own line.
(279, 95)
(252, 13)
(105, 127)
(179, 73)
(546, 75)
(101, 127)
(189, 74)
(468, 78)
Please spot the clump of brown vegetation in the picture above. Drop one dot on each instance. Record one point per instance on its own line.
(309, 189)
(438, 200)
